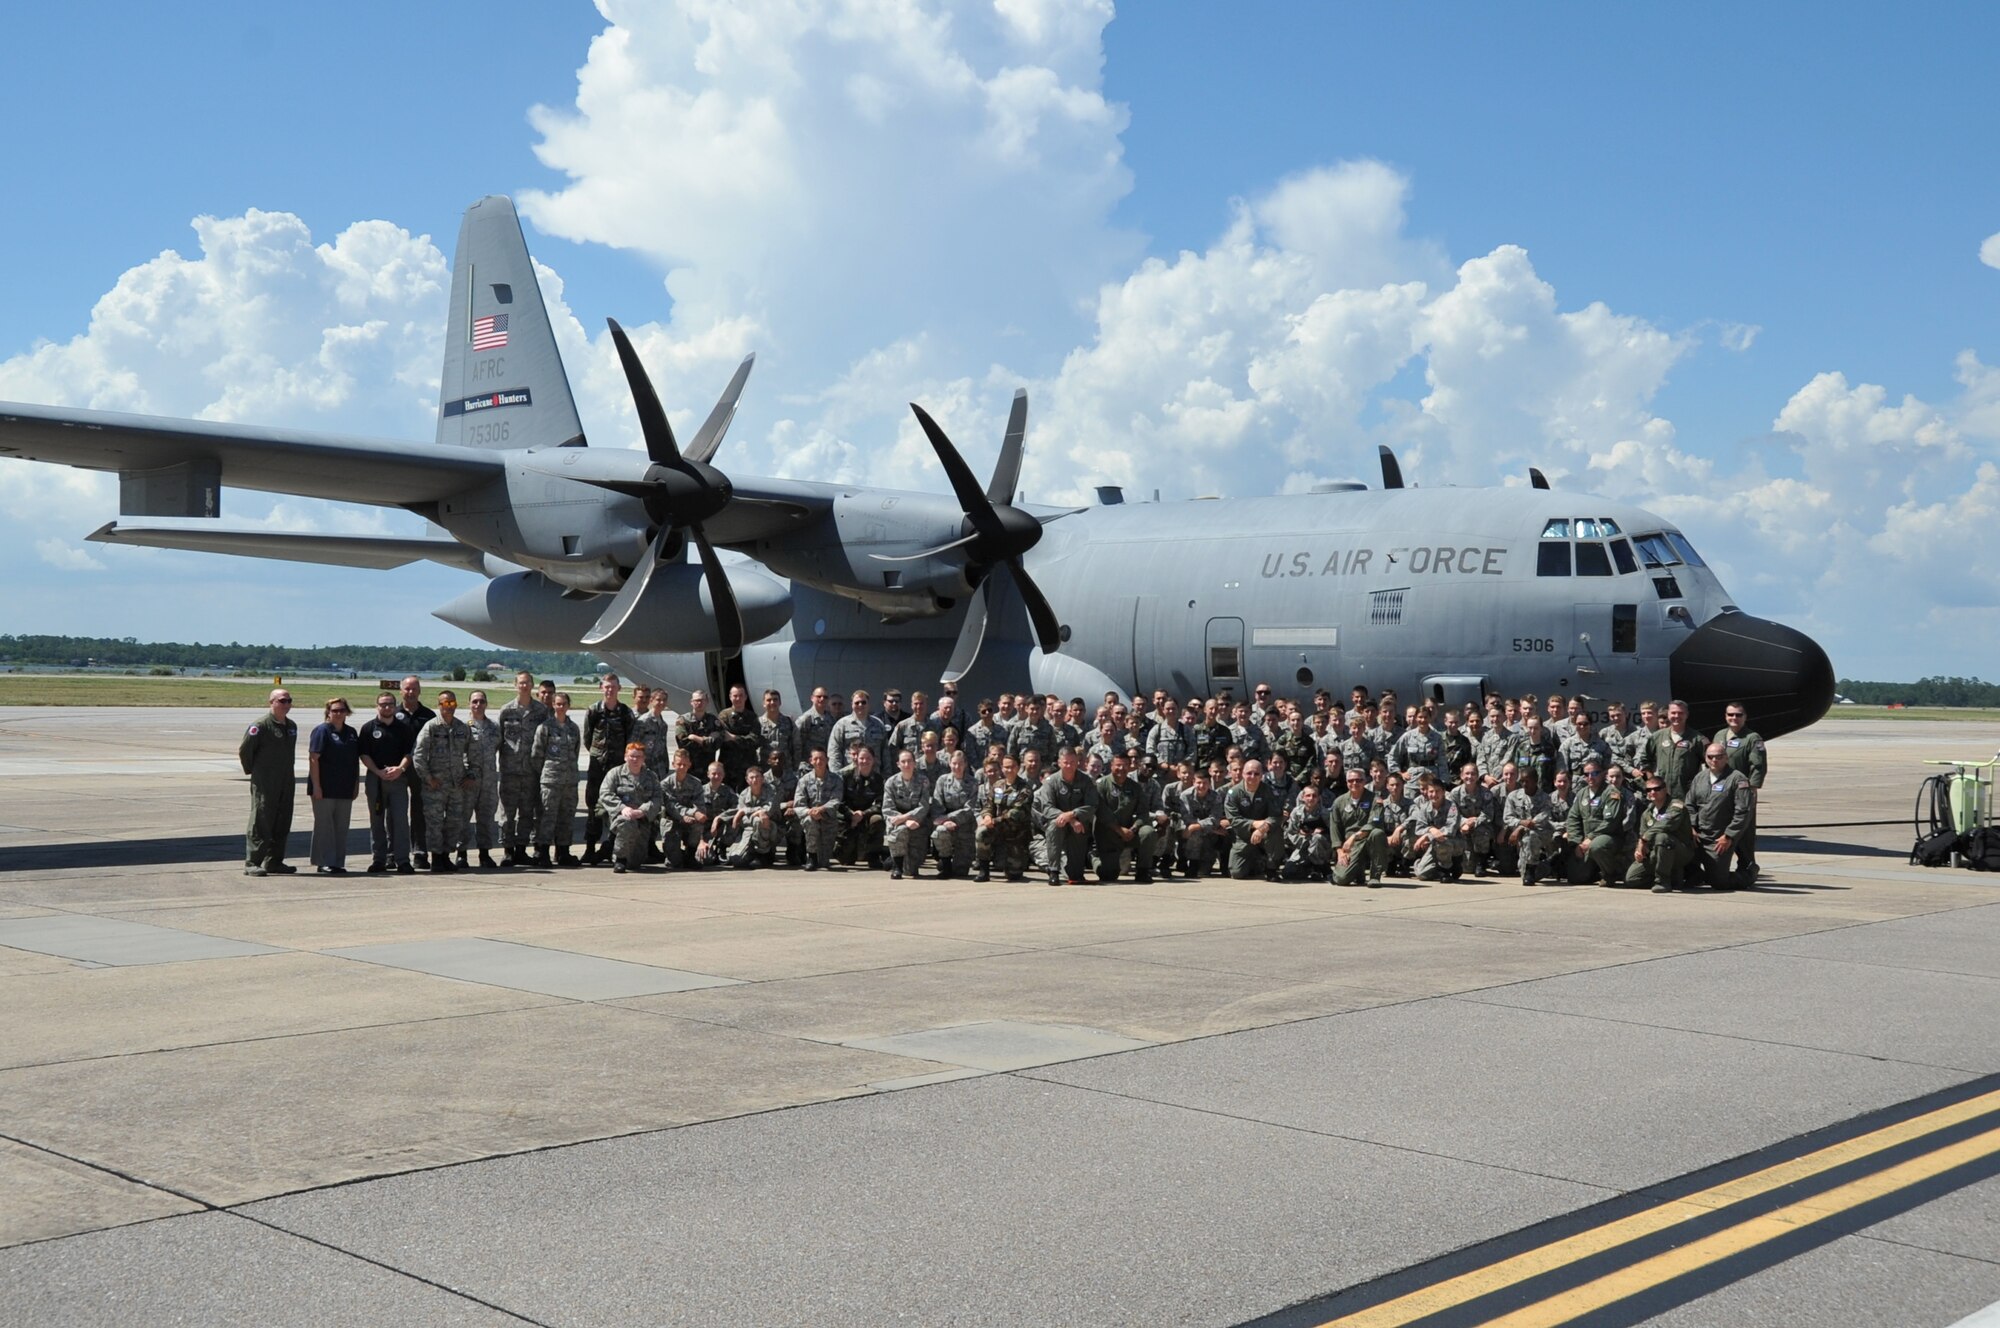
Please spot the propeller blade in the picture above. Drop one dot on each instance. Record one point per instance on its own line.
(627, 599)
(971, 498)
(1392, 474)
(728, 619)
(1007, 470)
(970, 635)
(927, 553)
(653, 424)
(1536, 479)
(709, 436)
(1048, 631)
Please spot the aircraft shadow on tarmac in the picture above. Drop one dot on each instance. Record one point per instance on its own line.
(179, 851)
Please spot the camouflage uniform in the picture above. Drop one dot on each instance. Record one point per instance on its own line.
(1435, 858)
(1201, 833)
(630, 841)
(754, 828)
(820, 834)
(719, 801)
(1415, 751)
(1670, 848)
(444, 770)
(485, 800)
(656, 734)
(1492, 752)
(1574, 750)
(1011, 803)
(520, 776)
(554, 752)
(700, 736)
(1243, 808)
(681, 834)
(742, 743)
(952, 800)
(1039, 736)
(869, 731)
(606, 731)
(903, 798)
(1479, 806)
(780, 735)
(1534, 816)
(1308, 842)
(1169, 744)
(810, 734)
(1068, 849)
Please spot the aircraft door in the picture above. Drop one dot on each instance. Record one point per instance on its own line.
(1223, 656)
(1604, 652)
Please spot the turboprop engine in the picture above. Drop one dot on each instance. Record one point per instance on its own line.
(527, 611)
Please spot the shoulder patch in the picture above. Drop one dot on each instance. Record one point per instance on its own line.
(252, 733)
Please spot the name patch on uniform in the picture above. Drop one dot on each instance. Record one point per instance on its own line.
(518, 396)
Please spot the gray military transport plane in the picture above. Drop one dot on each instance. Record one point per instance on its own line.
(1444, 592)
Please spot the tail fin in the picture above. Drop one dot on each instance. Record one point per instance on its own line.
(503, 383)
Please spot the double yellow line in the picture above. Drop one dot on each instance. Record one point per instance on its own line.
(1647, 1273)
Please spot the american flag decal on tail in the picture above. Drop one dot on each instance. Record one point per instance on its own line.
(490, 332)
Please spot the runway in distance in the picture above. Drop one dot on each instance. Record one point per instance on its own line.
(1443, 592)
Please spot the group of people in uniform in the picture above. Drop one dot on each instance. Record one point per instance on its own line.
(1261, 787)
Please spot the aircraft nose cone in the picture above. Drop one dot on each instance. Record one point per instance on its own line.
(1779, 673)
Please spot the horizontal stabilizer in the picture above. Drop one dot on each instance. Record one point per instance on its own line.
(377, 551)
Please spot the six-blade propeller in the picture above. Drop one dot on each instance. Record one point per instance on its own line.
(680, 491)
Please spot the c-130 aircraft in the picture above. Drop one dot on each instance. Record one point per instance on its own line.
(1446, 593)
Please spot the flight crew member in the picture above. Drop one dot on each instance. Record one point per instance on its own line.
(741, 738)
(953, 795)
(818, 806)
(1719, 803)
(1392, 808)
(1746, 753)
(1666, 847)
(630, 801)
(861, 792)
(1432, 833)
(554, 752)
(1363, 847)
(1528, 822)
(1308, 840)
(485, 800)
(1596, 828)
(1256, 825)
(906, 817)
(520, 782)
(446, 778)
(267, 753)
(755, 824)
(1065, 814)
(1123, 824)
(1478, 816)
(413, 714)
(607, 729)
(1005, 823)
(385, 745)
(1674, 752)
(684, 814)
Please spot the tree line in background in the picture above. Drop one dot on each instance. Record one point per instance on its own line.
(433, 661)
(1922, 692)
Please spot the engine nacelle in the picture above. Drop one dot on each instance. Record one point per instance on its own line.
(527, 611)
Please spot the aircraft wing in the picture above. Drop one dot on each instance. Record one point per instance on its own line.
(202, 535)
(385, 472)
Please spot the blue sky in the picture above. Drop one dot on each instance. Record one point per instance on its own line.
(1752, 199)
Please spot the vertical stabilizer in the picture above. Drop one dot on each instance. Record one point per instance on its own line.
(503, 383)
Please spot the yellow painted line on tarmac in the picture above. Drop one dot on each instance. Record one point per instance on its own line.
(1648, 1273)
(1556, 1254)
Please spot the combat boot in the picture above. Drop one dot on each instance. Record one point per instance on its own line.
(486, 860)
(568, 859)
(541, 856)
(461, 863)
(983, 875)
(441, 865)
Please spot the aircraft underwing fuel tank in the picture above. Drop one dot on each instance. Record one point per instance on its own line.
(527, 611)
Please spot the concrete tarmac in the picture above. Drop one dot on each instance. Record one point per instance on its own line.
(571, 1097)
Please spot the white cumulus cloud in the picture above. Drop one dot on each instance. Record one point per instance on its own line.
(1989, 250)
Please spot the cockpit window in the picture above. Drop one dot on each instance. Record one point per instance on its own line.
(1552, 558)
(1586, 528)
(1686, 549)
(1621, 553)
(1607, 525)
(1591, 559)
(1654, 551)
(1557, 528)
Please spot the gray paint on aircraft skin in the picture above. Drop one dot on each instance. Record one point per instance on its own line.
(1143, 590)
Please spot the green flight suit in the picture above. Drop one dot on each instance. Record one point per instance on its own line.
(1597, 824)
(1668, 837)
(268, 752)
